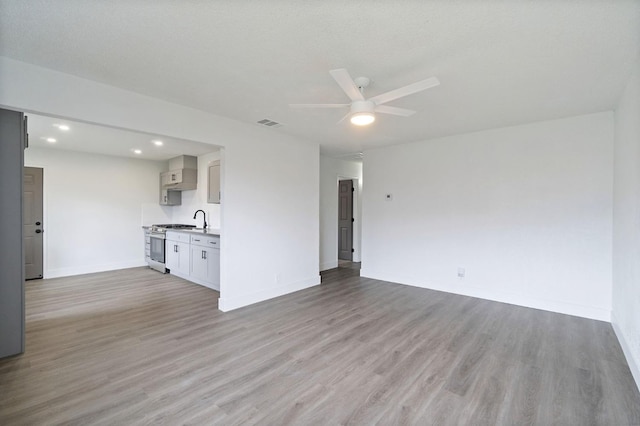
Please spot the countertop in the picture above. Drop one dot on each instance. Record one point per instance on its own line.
(210, 231)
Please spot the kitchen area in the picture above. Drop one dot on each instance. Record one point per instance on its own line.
(105, 191)
(185, 250)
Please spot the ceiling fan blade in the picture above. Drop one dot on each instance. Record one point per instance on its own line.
(385, 109)
(405, 91)
(319, 105)
(344, 80)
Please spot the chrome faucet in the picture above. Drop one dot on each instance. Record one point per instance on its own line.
(204, 216)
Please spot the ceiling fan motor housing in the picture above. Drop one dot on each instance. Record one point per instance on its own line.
(362, 106)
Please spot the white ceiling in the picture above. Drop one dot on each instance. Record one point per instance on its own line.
(102, 140)
(500, 63)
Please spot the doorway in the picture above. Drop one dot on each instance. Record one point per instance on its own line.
(33, 227)
(345, 220)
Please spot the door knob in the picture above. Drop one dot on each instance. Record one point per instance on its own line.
(38, 223)
(38, 231)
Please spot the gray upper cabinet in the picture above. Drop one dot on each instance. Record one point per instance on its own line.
(213, 188)
(165, 178)
(170, 198)
(182, 176)
(180, 179)
(183, 162)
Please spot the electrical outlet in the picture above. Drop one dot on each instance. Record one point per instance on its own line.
(461, 273)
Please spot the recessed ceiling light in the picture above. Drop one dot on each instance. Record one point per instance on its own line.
(158, 143)
(137, 151)
(51, 140)
(62, 127)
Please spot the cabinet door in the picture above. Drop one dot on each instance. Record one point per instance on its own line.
(185, 255)
(175, 176)
(172, 258)
(178, 257)
(214, 268)
(164, 179)
(199, 263)
(171, 177)
(213, 191)
(170, 198)
(205, 266)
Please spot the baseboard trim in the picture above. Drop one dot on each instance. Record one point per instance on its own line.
(328, 265)
(226, 304)
(68, 272)
(634, 365)
(512, 299)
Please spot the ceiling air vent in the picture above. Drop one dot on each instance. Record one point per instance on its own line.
(269, 123)
(353, 156)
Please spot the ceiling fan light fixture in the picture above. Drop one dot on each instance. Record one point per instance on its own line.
(361, 109)
(363, 118)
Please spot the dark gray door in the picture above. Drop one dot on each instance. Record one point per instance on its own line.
(33, 226)
(12, 141)
(345, 220)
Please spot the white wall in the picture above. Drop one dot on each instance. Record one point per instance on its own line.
(332, 170)
(92, 206)
(280, 223)
(269, 218)
(625, 316)
(526, 210)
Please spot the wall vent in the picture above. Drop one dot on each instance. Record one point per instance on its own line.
(269, 123)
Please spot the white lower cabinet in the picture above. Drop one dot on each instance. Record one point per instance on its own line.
(178, 258)
(194, 257)
(177, 253)
(205, 261)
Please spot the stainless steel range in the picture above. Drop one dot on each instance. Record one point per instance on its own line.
(154, 239)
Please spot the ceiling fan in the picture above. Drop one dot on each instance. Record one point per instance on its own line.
(361, 109)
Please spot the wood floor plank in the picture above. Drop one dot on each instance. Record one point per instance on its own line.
(137, 347)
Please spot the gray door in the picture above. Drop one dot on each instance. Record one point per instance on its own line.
(32, 222)
(345, 220)
(12, 142)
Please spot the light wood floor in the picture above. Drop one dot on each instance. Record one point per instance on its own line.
(137, 347)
